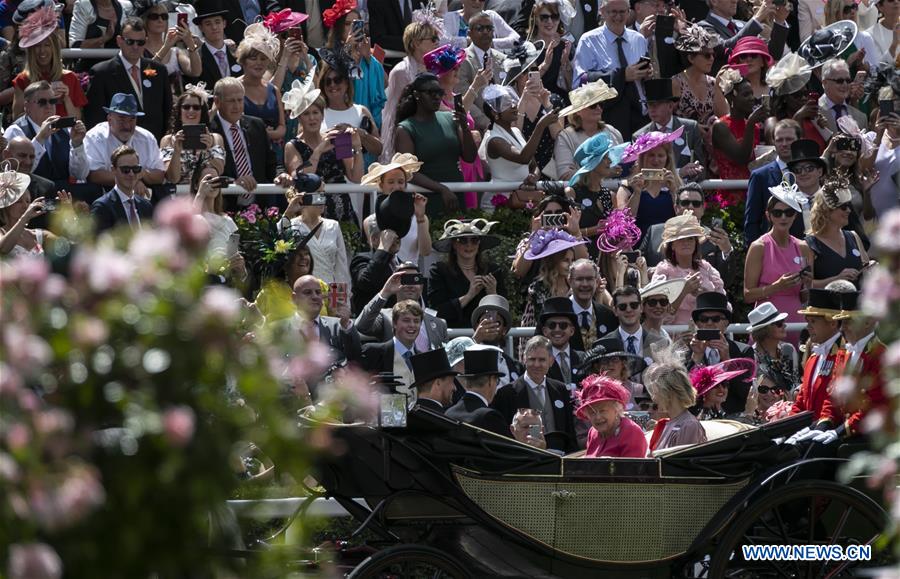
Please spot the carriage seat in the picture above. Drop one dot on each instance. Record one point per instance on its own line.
(714, 429)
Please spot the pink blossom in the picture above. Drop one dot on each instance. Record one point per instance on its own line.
(79, 494)
(25, 351)
(891, 356)
(34, 561)
(887, 237)
(878, 292)
(17, 436)
(90, 332)
(272, 212)
(250, 217)
(104, 269)
(52, 421)
(178, 213)
(149, 245)
(319, 355)
(221, 303)
(9, 470)
(178, 425)
(10, 380)
(31, 271)
(53, 287)
(499, 200)
(843, 389)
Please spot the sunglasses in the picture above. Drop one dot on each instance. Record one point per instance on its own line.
(133, 41)
(45, 102)
(845, 80)
(802, 169)
(706, 54)
(657, 302)
(191, 107)
(481, 28)
(778, 324)
(845, 206)
(595, 106)
(557, 325)
(549, 17)
(131, 169)
(628, 306)
(850, 8)
(335, 80)
(709, 319)
(158, 16)
(779, 213)
(466, 240)
(767, 389)
(691, 203)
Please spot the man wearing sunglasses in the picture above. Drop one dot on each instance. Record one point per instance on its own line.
(122, 205)
(628, 307)
(129, 73)
(559, 325)
(479, 51)
(836, 82)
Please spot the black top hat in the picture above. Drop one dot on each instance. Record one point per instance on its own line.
(612, 347)
(208, 9)
(395, 212)
(481, 363)
(806, 150)
(822, 303)
(849, 301)
(659, 89)
(827, 42)
(429, 366)
(711, 302)
(554, 307)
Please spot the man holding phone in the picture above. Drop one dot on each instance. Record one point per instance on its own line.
(492, 322)
(479, 53)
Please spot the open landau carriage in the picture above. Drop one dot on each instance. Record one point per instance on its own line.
(450, 500)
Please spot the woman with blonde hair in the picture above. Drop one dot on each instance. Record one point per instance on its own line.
(585, 120)
(256, 52)
(839, 254)
(650, 191)
(669, 385)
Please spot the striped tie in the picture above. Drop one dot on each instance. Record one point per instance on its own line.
(241, 161)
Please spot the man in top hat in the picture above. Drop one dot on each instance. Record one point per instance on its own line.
(481, 33)
(834, 102)
(594, 319)
(130, 73)
(536, 390)
(638, 340)
(375, 318)
(481, 380)
(216, 56)
(559, 325)
(492, 322)
(394, 354)
(434, 379)
(120, 128)
(690, 154)
(819, 370)
(713, 312)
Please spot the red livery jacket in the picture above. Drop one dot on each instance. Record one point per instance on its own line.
(815, 396)
(870, 391)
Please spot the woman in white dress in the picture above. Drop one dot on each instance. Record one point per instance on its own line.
(329, 254)
(161, 40)
(16, 210)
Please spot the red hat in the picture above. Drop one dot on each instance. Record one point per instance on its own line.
(597, 388)
(750, 45)
(705, 378)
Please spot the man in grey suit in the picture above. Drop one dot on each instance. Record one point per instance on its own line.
(628, 308)
(375, 319)
(481, 33)
(833, 104)
(690, 154)
(338, 333)
(720, 21)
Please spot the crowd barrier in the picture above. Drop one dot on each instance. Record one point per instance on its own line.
(98, 53)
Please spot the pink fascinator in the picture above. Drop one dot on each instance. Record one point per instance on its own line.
(545, 242)
(443, 59)
(37, 26)
(620, 232)
(597, 388)
(648, 142)
(705, 378)
(779, 410)
(867, 140)
(283, 20)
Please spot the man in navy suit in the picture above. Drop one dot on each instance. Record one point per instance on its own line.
(387, 21)
(129, 73)
(786, 132)
(481, 379)
(338, 333)
(121, 205)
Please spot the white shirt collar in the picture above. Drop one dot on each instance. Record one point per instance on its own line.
(578, 309)
(557, 352)
(829, 104)
(531, 383)
(127, 64)
(122, 196)
(214, 50)
(781, 164)
(401, 349)
(432, 399)
(34, 126)
(860, 344)
(226, 126)
(483, 399)
(825, 347)
(638, 334)
(668, 126)
(479, 54)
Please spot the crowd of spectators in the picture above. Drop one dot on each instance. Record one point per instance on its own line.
(602, 121)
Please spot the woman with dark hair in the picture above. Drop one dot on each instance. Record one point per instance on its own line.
(340, 110)
(752, 53)
(791, 99)
(190, 109)
(161, 41)
(554, 202)
(437, 138)
(735, 136)
(696, 89)
(547, 23)
(554, 251)
(458, 284)
(585, 121)
(770, 348)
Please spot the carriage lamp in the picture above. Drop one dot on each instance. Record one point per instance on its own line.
(392, 405)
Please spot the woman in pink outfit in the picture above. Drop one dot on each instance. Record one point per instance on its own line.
(603, 401)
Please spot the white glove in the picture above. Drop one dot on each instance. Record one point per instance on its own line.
(825, 436)
(805, 434)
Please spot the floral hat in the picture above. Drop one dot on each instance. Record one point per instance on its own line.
(648, 142)
(788, 193)
(406, 161)
(836, 191)
(12, 185)
(597, 388)
(681, 227)
(499, 97)
(520, 58)
(592, 152)
(456, 228)
(37, 26)
(300, 97)
(546, 242)
(199, 90)
(586, 95)
(789, 75)
(443, 59)
(705, 378)
(428, 14)
(340, 61)
(620, 232)
(750, 45)
(338, 10)
(695, 39)
(261, 39)
(729, 77)
(283, 20)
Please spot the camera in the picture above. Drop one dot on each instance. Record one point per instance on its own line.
(412, 279)
(315, 199)
(553, 220)
(653, 174)
(306, 182)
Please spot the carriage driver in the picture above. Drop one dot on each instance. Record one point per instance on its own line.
(603, 401)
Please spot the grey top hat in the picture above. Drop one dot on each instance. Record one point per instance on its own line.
(494, 302)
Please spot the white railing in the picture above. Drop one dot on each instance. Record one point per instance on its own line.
(111, 52)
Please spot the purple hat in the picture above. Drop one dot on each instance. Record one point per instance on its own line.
(544, 242)
(443, 59)
(649, 141)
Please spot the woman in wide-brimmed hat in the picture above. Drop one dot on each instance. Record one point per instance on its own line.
(553, 249)
(753, 53)
(601, 401)
(405, 215)
(585, 120)
(681, 246)
(711, 384)
(659, 298)
(16, 210)
(458, 284)
(788, 80)
(767, 329)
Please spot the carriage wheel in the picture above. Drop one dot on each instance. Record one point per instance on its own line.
(803, 513)
(409, 562)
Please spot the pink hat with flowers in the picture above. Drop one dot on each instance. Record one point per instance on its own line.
(39, 25)
(705, 378)
(648, 142)
(597, 388)
(283, 20)
(750, 45)
(443, 59)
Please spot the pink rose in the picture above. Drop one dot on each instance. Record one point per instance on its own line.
(17, 436)
(499, 200)
(178, 425)
(79, 494)
(34, 561)
(178, 213)
(221, 304)
(272, 212)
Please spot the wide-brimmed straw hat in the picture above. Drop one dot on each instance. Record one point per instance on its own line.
(680, 227)
(828, 42)
(591, 153)
(586, 95)
(649, 141)
(598, 388)
(750, 45)
(456, 229)
(822, 303)
(520, 58)
(670, 288)
(12, 185)
(444, 59)
(546, 242)
(763, 315)
(789, 75)
(406, 161)
(37, 26)
(705, 378)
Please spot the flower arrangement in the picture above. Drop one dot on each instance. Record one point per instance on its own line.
(265, 248)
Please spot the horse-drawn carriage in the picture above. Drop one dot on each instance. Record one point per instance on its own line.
(447, 499)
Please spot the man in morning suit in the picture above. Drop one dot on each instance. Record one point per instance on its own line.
(550, 398)
(338, 333)
(787, 131)
(481, 379)
(394, 355)
(249, 158)
(720, 21)
(481, 33)
(434, 380)
(388, 19)
(559, 325)
(595, 320)
(121, 205)
(216, 57)
(129, 73)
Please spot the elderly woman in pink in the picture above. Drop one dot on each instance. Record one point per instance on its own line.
(603, 401)
(681, 246)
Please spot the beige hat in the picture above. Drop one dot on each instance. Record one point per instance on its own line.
(670, 288)
(12, 186)
(588, 94)
(300, 97)
(409, 163)
(681, 227)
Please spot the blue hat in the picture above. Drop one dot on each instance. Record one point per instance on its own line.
(592, 152)
(124, 104)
